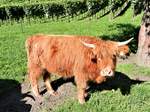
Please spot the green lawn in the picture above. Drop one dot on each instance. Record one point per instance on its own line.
(13, 60)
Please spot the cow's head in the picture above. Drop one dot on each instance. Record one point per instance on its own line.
(123, 49)
(105, 54)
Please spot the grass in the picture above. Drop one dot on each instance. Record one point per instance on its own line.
(133, 70)
(112, 101)
(13, 60)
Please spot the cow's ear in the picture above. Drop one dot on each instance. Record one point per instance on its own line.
(123, 51)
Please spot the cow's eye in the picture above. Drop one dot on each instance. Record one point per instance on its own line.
(114, 55)
(94, 60)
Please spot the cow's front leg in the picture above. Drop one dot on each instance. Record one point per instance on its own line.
(81, 87)
(81, 95)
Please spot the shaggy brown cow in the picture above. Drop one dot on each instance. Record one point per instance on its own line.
(86, 58)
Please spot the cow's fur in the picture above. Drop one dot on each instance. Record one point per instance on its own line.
(67, 56)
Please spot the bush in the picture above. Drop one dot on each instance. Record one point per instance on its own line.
(95, 6)
(75, 8)
(55, 10)
(51, 9)
(16, 12)
(35, 10)
(3, 14)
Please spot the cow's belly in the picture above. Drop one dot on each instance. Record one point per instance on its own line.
(61, 71)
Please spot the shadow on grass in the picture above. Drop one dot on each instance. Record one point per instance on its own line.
(126, 31)
(119, 81)
(11, 97)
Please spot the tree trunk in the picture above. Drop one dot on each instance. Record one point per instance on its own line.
(143, 53)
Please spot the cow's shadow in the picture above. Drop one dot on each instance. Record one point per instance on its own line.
(59, 82)
(119, 81)
(11, 97)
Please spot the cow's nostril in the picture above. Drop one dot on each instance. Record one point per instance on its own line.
(109, 72)
(128, 54)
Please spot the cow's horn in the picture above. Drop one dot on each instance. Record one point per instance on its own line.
(125, 42)
(88, 45)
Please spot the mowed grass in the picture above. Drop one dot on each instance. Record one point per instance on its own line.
(13, 60)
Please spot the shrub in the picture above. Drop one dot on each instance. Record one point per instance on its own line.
(55, 10)
(51, 9)
(3, 14)
(16, 12)
(75, 8)
(35, 10)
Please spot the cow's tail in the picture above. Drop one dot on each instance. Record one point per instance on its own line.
(28, 44)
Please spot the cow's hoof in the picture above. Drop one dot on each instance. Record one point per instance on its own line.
(40, 100)
(81, 101)
(85, 94)
(54, 93)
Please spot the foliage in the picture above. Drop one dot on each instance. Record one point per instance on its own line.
(55, 10)
(35, 10)
(41, 9)
(137, 6)
(52, 9)
(16, 12)
(95, 6)
(75, 8)
(3, 13)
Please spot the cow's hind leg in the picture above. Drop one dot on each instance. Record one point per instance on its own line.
(34, 75)
(46, 78)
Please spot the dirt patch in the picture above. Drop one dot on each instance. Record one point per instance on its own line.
(130, 60)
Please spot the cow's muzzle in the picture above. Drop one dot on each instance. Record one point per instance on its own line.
(107, 72)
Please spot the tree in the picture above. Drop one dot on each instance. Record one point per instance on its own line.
(143, 52)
